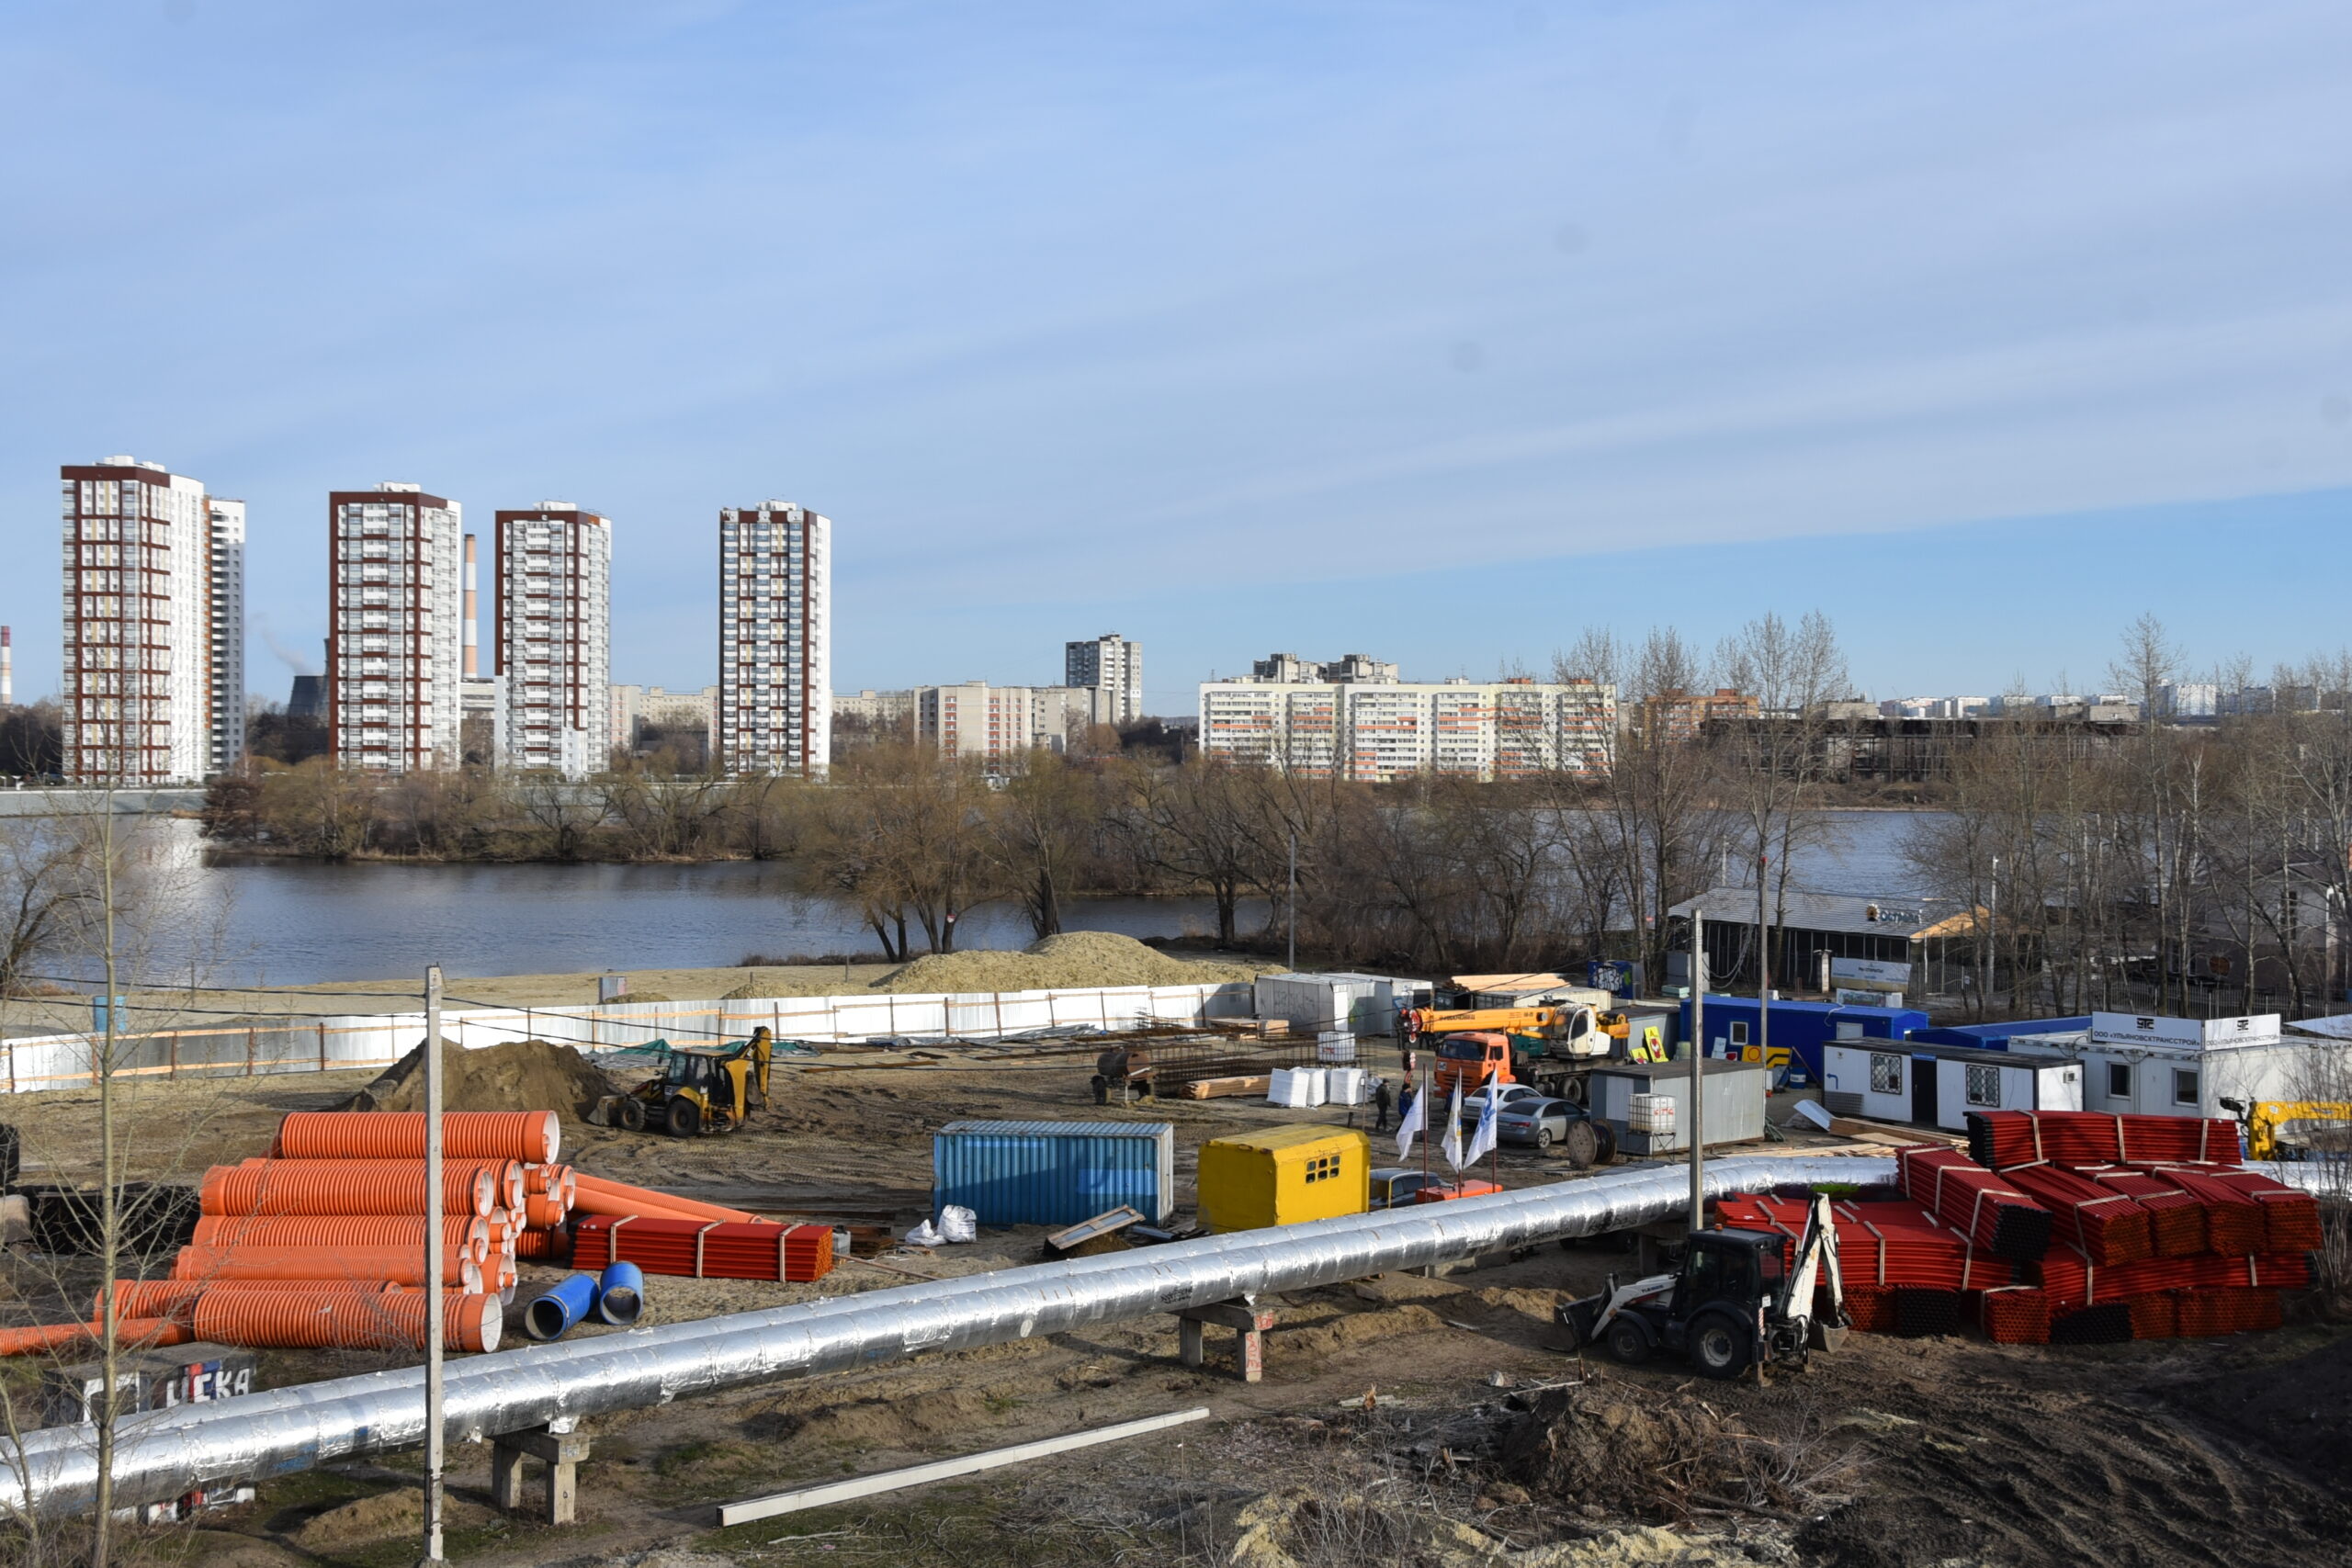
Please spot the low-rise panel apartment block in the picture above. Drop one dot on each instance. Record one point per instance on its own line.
(976, 719)
(1373, 727)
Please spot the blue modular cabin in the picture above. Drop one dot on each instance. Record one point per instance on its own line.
(1996, 1036)
(1733, 1028)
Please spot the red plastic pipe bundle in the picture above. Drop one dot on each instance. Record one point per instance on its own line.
(2202, 1314)
(1895, 1244)
(2000, 1139)
(2074, 1280)
(2175, 1220)
(1870, 1309)
(1979, 1204)
(2155, 1316)
(704, 1249)
(2105, 1225)
(2234, 1222)
(2289, 1217)
(2014, 1314)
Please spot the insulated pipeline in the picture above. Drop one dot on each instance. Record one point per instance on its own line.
(163, 1454)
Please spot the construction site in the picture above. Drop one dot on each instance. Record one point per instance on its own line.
(1165, 1289)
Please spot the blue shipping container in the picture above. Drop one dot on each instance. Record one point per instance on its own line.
(1053, 1173)
(1799, 1027)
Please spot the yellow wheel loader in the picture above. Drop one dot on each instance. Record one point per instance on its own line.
(701, 1088)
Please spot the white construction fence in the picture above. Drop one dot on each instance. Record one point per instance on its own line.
(377, 1040)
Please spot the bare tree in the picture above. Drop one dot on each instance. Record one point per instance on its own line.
(1794, 673)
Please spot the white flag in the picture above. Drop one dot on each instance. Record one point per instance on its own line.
(1416, 1119)
(1453, 1128)
(1484, 1139)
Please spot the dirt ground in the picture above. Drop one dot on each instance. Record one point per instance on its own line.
(1933, 1453)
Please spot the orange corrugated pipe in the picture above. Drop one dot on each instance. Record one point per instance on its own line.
(342, 1319)
(339, 1187)
(471, 1232)
(174, 1301)
(397, 1266)
(509, 1276)
(544, 1178)
(543, 1214)
(535, 1135)
(506, 1175)
(130, 1333)
(608, 1192)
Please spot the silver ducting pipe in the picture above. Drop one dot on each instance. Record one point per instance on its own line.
(164, 1454)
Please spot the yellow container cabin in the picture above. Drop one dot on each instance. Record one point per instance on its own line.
(1284, 1175)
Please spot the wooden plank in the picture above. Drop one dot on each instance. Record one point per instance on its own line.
(768, 1507)
(1227, 1088)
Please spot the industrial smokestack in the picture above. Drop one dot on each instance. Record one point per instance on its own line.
(471, 667)
(8, 671)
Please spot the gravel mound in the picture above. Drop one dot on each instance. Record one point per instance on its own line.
(523, 1075)
(1064, 961)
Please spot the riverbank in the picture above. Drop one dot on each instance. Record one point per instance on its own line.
(1071, 961)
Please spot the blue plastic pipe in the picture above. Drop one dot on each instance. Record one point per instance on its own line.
(620, 1293)
(552, 1314)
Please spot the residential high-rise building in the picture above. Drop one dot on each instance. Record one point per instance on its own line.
(154, 625)
(7, 668)
(225, 631)
(1377, 730)
(976, 719)
(776, 635)
(1112, 667)
(551, 605)
(394, 650)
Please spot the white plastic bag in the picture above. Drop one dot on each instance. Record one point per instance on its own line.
(957, 1224)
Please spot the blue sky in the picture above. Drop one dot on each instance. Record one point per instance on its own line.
(1430, 330)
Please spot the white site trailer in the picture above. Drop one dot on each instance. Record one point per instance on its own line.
(1938, 1085)
(2137, 1064)
(1317, 1005)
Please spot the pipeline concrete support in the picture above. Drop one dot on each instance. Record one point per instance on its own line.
(167, 1453)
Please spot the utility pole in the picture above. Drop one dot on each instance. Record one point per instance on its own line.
(1293, 901)
(435, 1303)
(1763, 962)
(1992, 940)
(1698, 1059)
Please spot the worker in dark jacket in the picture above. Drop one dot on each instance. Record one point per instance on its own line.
(1380, 1105)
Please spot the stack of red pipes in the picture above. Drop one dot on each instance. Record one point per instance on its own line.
(2208, 1251)
(1891, 1253)
(1976, 1202)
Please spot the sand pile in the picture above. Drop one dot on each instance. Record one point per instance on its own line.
(1069, 961)
(523, 1075)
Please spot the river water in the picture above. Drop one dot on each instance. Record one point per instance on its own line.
(292, 922)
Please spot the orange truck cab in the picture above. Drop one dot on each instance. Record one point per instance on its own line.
(1460, 1187)
(1473, 1060)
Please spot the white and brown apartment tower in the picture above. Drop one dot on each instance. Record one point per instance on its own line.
(393, 645)
(552, 612)
(154, 625)
(775, 663)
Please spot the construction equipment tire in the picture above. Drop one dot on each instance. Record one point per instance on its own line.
(1721, 1346)
(684, 1117)
(1582, 1145)
(632, 1115)
(1628, 1343)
